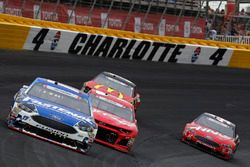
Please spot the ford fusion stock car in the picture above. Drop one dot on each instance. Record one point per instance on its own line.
(54, 112)
(115, 85)
(117, 126)
(212, 134)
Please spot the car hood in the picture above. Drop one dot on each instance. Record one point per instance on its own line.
(57, 112)
(211, 134)
(114, 120)
(110, 91)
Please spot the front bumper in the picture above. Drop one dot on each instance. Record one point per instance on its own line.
(74, 139)
(114, 138)
(217, 151)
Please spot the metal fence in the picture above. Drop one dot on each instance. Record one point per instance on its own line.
(183, 18)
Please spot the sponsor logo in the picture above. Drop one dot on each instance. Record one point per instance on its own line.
(55, 117)
(51, 16)
(196, 54)
(207, 130)
(54, 108)
(25, 117)
(55, 40)
(13, 11)
(109, 90)
(52, 131)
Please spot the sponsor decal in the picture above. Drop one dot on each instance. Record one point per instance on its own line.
(54, 108)
(54, 117)
(110, 101)
(61, 91)
(25, 117)
(207, 130)
(55, 40)
(196, 54)
(109, 90)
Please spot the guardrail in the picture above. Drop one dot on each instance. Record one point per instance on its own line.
(233, 39)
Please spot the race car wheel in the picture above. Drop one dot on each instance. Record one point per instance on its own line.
(231, 156)
(82, 146)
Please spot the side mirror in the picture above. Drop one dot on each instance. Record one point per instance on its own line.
(237, 139)
(25, 86)
(137, 95)
(137, 98)
(83, 86)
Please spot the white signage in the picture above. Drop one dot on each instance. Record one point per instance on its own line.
(187, 29)
(104, 20)
(162, 27)
(37, 12)
(137, 25)
(71, 16)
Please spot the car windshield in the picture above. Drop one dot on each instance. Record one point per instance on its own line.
(59, 96)
(112, 107)
(114, 84)
(215, 124)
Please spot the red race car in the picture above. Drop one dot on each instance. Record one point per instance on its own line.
(116, 86)
(212, 134)
(117, 126)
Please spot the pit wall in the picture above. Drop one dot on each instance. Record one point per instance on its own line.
(22, 33)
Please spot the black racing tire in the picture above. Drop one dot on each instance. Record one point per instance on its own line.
(82, 147)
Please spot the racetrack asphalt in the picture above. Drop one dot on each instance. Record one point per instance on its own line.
(171, 95)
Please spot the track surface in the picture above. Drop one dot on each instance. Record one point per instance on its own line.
(171, 96)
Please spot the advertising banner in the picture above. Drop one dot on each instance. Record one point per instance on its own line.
(55, 40)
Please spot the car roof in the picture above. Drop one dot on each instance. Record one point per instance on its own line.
(61, 86)
(119, 78)
(219, 118)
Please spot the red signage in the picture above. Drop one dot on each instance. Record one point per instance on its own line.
(170, 25)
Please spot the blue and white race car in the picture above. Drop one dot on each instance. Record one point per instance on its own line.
(54, 112)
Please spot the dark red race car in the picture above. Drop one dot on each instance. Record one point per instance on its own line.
(114, 85)
(117, 126)
(212, 134)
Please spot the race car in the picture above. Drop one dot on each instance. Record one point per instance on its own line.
(54, 112)
(117, 126)
(114, 85)
(212, 134)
